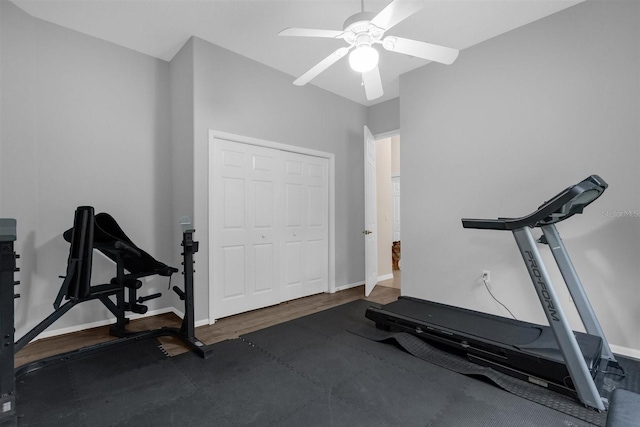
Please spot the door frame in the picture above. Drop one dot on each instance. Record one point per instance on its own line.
(377, 137)
(213, 135)
(370, 212)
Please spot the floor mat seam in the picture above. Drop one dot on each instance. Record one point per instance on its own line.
(333, 340)
(451, 403)
(285, 364)
(222, 381)
(354, 347)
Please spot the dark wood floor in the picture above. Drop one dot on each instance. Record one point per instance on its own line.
(226, 328)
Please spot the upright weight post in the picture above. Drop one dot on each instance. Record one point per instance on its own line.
(187, 330)
(7, 283)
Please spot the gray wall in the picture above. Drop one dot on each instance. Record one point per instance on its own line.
(182, 113)
(384, 117)
(512, 122)
(240, 96)
(84, 122)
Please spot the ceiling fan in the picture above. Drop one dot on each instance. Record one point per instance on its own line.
(365, 29)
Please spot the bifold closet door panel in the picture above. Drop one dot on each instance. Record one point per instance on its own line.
(306, 228)
(269, 218)
(246, 231)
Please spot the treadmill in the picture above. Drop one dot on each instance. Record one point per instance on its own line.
(552, 356)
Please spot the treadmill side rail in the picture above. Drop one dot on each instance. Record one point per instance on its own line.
(580, 375)
(576, 289)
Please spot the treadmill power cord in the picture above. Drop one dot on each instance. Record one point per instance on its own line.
(496, 299)
(616, 366)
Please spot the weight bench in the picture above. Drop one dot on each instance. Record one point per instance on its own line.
(101, 232)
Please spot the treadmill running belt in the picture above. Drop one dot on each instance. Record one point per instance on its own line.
(470, 322)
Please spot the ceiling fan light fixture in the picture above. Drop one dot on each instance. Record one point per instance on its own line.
(363, 58)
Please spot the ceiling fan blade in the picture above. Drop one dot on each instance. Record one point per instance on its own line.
(372, 84)
(310, 32)
(396, 12)
(431, 52)
(321, 66)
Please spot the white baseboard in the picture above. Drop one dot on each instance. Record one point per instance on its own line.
(625, 351)
(353, 285)
(349, 286)
(385, 277)
(203, 322)
(109, 321)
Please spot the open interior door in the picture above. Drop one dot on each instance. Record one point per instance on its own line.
(370, 215)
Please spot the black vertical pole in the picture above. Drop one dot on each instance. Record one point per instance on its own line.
(187, 330)
(7, 282)
(189, 248)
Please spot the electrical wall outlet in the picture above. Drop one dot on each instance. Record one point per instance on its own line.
(486, 276)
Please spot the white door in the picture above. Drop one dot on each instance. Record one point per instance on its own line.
(245, 221)
(269, 226)
(305, 237)
(395, 206)
(370, 220)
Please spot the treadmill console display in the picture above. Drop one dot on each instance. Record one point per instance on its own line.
(582, 194)
(563, 205)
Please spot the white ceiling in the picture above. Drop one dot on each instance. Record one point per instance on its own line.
(159, 28)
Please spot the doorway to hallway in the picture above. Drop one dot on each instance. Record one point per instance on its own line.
(388, 195)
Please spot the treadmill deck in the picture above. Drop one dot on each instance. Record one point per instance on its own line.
(527, 348)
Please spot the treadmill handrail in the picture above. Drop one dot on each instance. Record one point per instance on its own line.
(562, 206)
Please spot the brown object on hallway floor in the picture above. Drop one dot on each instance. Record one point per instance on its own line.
(396, 250)
(226, 328)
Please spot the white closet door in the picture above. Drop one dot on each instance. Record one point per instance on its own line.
(269, 226)
(305, 237)
(246, 226)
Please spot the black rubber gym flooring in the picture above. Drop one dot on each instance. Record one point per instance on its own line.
(307, 372)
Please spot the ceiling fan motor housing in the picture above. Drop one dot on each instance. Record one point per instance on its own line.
(358, 29)
(358, 23)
